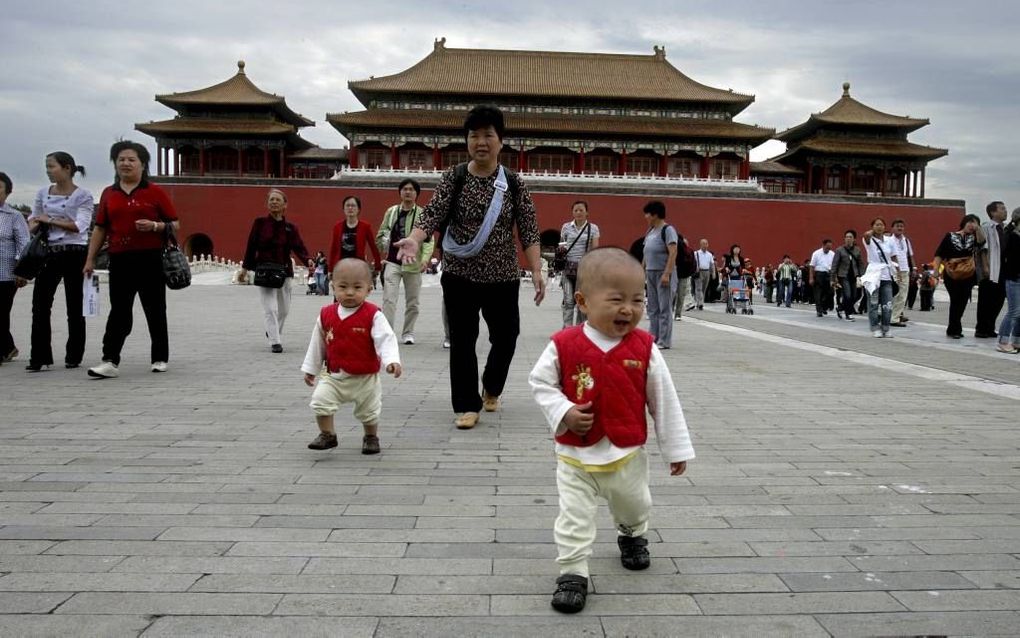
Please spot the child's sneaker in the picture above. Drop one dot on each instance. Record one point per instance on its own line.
(571, 593)
(370, 444)
(323, 442)
(634, 552)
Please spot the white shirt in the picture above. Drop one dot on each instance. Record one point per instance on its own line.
(382, 336)
(706, 260)
(903, 248)
(77, 207)
(661, 399)
(875, 257)
(821, 261)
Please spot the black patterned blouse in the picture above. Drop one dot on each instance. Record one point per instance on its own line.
(497, 261)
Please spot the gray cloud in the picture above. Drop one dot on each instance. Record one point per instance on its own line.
(79, 75)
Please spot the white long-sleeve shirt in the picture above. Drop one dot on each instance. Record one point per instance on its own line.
(661, 399)
(382, 336)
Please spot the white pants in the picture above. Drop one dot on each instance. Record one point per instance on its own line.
(630, 503)
(900, 300)
(392, 276)
(363, 390)
(276, 305)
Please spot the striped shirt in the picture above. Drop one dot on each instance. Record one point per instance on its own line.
(13, 239)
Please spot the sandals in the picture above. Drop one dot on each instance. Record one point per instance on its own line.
(571, 593)
(634, 552)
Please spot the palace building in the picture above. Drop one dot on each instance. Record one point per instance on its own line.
(236, 129)
(850, 149)
(579, 113)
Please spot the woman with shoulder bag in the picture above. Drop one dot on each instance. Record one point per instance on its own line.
(133, 215)
(577, 237)
(271, 241)
(63, 211)
(955, 255)
(879, 278)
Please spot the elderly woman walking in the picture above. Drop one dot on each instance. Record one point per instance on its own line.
(661, 241)
(479, 204)
(13, 239)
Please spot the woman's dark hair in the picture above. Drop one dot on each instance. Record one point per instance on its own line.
(357, 200)
(734, 247)
(875, 220)
(850, 231)
(404, 182)
(482, 116)
(8, 184)
(65, 160)
(581, 202)
(655, 207)
(970, 217)
(139, 149)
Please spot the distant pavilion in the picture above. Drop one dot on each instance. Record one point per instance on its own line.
(235, 129)
(850, 149)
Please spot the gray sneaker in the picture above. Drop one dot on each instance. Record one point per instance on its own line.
(105, 370)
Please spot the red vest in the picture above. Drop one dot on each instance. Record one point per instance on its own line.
(615, 382)
(349, 345)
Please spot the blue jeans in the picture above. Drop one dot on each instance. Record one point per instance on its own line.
(785, 294)
(1009, 329)
(880, 303)
(320, 282)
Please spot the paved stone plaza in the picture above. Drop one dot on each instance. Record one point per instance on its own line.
(844, 486)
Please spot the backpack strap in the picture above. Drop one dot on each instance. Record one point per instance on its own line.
(460, 173)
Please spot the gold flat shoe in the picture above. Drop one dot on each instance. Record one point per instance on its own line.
(466, 421)
(489, 402)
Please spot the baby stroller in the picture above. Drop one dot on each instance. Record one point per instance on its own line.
(313, 287)
(739, 297)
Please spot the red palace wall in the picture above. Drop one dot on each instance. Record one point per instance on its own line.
(766, 226)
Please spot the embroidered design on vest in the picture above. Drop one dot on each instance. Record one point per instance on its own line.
(633, 363)
(329, 335)
(584, 379)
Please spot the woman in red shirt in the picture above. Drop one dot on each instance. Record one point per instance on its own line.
(133, 215)
(351, 235)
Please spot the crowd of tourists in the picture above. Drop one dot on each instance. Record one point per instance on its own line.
(479, 213)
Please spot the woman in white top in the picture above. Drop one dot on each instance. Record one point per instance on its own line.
(878, 278)
(578, 236)
(64, 212)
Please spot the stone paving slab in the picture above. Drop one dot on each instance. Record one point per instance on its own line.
(829, 497)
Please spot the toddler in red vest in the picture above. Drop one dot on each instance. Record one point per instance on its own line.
(354, 341)
(593, 383)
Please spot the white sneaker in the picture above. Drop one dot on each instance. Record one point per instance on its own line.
(159, 366)
(105, 370)
(446, 344)
(876, 334)
(409, 339)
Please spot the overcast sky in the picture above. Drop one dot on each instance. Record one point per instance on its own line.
(79, 75)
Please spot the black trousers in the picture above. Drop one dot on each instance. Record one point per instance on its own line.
(138, 272)
(60, 266)
(959, 295)
(912, 292)
(497, 302)
(927, 300)
(823, 292)
(991, 296)
(7, 290)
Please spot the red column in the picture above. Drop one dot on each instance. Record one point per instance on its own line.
(808, 186)
(825, 179)
(703, 173)
(923, 171)
(394, 156)
(522, 160)
(352, 157)
(159, 159)
(580, 162)
(745, 168)
(283, 164)
(881, 181)
(240, 161)
(663, 161)
(201, 160)
(265, 161)
(621, 167)
(849, 178)
(437, 157)
(177, 162)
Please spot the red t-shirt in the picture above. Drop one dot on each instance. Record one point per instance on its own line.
(118, 212)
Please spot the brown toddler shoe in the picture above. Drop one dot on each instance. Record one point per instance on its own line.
(323, 442)
(370, 444)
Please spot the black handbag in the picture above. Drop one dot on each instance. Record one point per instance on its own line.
(176, 271)
(895, 285)
(560, 263)
(32, 259)
(270, 275)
